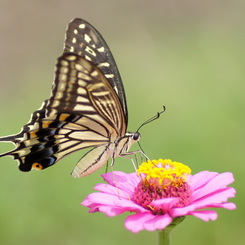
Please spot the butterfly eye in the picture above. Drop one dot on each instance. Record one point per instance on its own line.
(136, 136)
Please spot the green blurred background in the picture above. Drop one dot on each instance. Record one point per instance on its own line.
(187, 55)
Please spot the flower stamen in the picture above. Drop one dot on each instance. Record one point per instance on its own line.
(162, 179)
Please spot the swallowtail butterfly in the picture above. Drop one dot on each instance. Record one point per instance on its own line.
(87, 108)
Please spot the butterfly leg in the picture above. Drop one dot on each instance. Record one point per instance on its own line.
(127, 155)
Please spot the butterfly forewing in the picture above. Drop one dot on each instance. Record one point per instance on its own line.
(81, 88)
(85, 40)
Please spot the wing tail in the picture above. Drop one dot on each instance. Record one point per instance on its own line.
(9, 138)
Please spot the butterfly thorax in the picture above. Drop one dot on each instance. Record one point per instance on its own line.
(123, 144)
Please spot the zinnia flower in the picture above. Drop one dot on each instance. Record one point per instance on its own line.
(159, 193)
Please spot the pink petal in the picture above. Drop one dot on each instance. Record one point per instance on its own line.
(147, 221)
(113, 211)
(123, 181)
(200, 179)
(228, 205)
(107, 204)
(177, 212)
(158, 223)
(105, 188)
(205, 215)
(166, 204)
(212, 201)
(100, 198)
(135, 222)
(105, 199)
(110, 210)
(214, 198)
(216, 183)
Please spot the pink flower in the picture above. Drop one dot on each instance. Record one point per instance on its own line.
(163, 191)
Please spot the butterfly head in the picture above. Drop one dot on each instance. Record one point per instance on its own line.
(124, 143)
(133, 137)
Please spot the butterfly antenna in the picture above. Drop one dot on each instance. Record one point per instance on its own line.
(142, 151)
(146, 122)
(152, 118)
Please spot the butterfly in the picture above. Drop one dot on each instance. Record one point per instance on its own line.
(87, 109)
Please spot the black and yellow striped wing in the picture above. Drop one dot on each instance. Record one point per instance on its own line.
(84, 40)
(87, 108)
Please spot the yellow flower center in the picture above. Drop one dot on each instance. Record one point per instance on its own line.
(164, 172)
(162, 179)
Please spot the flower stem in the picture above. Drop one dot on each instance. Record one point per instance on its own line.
(164, 235)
